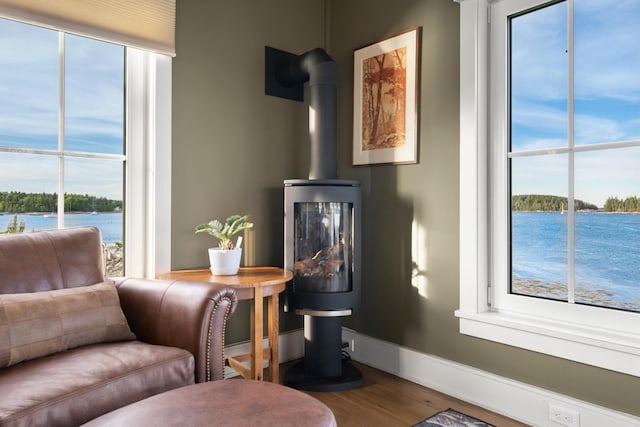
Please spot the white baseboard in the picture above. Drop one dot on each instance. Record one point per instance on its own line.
(516, 400)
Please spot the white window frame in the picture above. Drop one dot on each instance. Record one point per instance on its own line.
(148, 166)
(600, 337)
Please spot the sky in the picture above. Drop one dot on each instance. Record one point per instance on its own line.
(607, 103)
(94, 110)
(606, 100)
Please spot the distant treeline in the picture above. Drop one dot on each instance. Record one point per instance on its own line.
(539, 202)
(630, 204)
(18, 202)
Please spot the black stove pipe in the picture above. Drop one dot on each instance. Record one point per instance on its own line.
(317, 67)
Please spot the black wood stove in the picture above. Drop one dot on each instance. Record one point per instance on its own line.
(322, 217)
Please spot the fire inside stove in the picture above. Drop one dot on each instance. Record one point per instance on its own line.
(323, 246)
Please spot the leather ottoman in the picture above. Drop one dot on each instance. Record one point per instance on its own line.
(234, 402)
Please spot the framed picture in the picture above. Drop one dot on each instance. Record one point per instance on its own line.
(385, 100)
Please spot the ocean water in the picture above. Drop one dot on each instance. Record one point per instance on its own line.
(607, 253)
(110, 224)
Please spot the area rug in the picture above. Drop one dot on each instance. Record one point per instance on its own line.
(451, 418)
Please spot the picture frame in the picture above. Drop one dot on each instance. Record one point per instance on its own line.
(385, 100)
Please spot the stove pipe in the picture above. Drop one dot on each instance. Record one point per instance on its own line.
(317, 67)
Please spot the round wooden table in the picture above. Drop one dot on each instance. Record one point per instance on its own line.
(251, 283)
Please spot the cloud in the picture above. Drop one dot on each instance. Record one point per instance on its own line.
(538, 125)
(94, 81)
(606, 51)
(538, 57)
(607, 173)
(82, 176)
(94, 176)
(539, 175)
(94, 112)
(598, 175)
(607, 99)
(42, 173)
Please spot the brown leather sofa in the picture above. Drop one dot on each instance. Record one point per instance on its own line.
(75, 345)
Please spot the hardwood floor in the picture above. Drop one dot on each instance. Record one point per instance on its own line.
(387, 401)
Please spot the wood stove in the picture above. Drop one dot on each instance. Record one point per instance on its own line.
(322, 235)
(322, 231)
(322, 227)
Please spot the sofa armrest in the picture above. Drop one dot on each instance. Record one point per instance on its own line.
(187, 314)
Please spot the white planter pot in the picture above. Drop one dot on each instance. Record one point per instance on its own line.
(225, 262)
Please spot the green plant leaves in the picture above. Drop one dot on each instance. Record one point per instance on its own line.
(232, 226)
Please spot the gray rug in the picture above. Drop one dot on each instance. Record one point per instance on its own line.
(451, 418)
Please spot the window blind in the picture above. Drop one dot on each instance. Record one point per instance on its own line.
(143, 24)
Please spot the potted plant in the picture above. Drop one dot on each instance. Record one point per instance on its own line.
(225, 259)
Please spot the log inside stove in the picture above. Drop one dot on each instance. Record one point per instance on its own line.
(323, 271)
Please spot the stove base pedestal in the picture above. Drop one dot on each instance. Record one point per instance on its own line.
(295, 377)
(323, 367)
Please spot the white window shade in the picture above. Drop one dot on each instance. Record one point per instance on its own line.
(144, 24)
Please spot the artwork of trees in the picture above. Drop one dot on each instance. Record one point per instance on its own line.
(384, 100)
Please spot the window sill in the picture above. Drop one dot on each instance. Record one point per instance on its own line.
(597, 347)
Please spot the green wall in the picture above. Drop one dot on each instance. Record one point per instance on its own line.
(233, 146)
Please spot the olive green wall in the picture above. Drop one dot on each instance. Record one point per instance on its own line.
(233, 146)
(427, 194)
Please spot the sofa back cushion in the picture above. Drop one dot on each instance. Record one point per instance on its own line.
(37, 324)
(53, 259)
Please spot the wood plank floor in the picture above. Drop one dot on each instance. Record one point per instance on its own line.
(387, 401)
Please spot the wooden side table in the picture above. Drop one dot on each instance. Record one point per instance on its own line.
(251, 283)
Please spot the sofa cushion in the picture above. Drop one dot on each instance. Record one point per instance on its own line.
(50, 259)
(75, 386)
(37, 324)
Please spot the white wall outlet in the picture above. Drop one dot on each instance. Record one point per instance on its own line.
(349, 343)
(564, 416)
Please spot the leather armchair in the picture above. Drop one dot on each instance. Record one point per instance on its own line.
(175, 313)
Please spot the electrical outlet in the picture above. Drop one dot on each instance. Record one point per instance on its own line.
(564, 416)
(351, 344)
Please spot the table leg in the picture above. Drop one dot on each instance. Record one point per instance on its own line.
(257, 335)
(273, 326)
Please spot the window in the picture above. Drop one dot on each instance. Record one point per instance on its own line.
(63, 132)
(574, 153)
(542, 266)
(67, 158)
